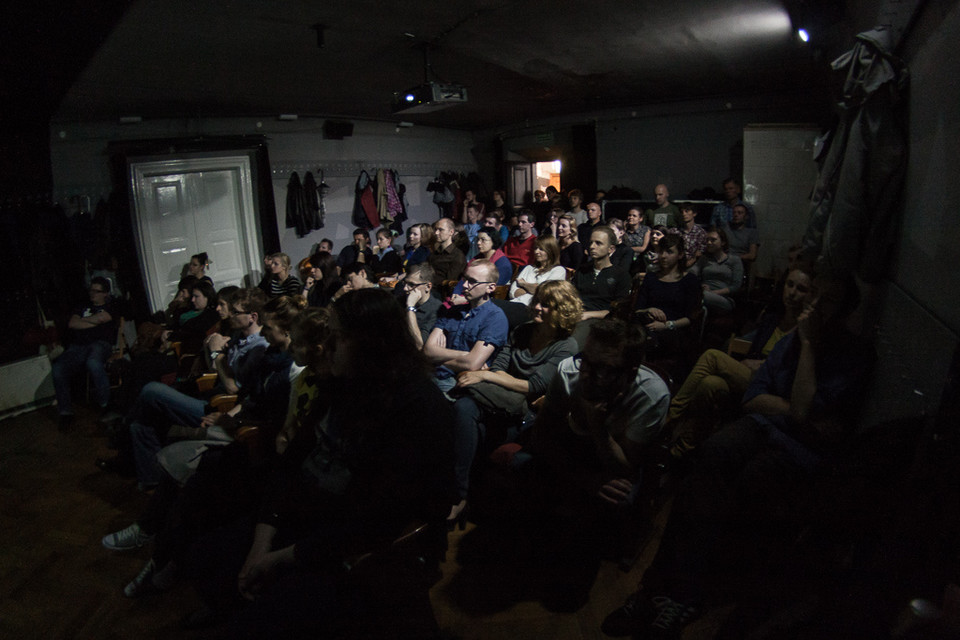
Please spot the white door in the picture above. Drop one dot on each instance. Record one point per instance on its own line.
(183, 207)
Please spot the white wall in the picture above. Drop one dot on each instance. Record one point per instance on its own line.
(79, 161)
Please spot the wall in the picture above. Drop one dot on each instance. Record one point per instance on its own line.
(919, 319)
(417, 153)
(778, 173)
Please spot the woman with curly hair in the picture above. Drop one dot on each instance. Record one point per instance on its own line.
(499, 397)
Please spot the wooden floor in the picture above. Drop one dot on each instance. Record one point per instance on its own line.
(57, 581)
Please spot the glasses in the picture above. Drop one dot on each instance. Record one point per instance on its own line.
(603, 371)
(412, 285)
(472, 282)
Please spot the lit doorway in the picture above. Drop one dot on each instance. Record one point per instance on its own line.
(548, 175)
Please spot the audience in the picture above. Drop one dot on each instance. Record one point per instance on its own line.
(668, 300)
(722, 213)
(742, 495)
(92, 335)
(694, 237)
(359, 251)
(519, 248)
(446, 259)
(546, 255)
(571, 251)
(721, 273)
(488, 248)
(598, 282)
(594, 220)
(622, 253)
(576, 200)
(742, 239)
(323, 281)
(467, 337)
(636, 234)
(279, 281)
(666, 214)
(420, 244)
(386, 260)
(421, 306)
(197, 267)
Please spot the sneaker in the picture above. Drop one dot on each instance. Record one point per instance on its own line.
(635, 614)
(672, 617)
(143, 583)
(133, 537)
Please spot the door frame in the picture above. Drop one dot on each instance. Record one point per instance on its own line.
(142, 169)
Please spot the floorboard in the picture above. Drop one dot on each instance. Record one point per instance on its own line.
(57, 581)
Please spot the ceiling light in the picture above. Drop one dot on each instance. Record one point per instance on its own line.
(803, 35)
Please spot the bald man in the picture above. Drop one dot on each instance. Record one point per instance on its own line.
(666, 213)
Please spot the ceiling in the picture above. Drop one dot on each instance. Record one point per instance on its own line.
(518, 59)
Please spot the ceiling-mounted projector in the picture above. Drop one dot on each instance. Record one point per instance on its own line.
(429, 97)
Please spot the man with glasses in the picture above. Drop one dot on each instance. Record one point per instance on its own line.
(602, 409)
(468, 336)
(519, 248)
(421, 306)
(92, 333)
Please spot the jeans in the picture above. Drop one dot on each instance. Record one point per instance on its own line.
(468, 433)
(158, 406)
(77, 358)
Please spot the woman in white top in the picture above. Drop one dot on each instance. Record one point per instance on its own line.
(546, 255)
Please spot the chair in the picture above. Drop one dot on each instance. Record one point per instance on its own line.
(501, 292)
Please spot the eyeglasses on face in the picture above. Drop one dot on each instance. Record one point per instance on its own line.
(412, 285)
(472, 282)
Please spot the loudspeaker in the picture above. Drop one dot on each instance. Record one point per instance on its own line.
(334, 130)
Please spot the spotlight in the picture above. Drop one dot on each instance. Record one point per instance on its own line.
(803, 35)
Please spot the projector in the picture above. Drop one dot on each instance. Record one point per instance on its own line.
(428, 97)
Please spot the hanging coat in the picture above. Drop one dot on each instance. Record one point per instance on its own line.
(394, 207)
(857, 196)
(296, 215)
(311, 203)
(364, 203)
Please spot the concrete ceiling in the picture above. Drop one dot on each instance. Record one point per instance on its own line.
(518, 60)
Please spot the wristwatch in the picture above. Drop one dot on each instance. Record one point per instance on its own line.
(671, 325)
(414, 309)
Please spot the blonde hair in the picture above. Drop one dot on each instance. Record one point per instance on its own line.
(562, 297)
(548, 244)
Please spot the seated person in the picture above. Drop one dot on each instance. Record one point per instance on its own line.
(420, 244)
(366, 475)
(636, 234)
(225, 477)
(494, 219)
(598, 282)
(721, 273)
(355, 276)
(180, 304)
(358, 251)
(519, 248)
(280, 279)
(546, 267)
(467, 337)
(743, 240)
(488, 248)
(520, 374)
(421, 306)
(743, 493)
(387, 260)
(571, 251)
(221, 333)
(471, 225)
(668, 299)
(158, 406)
(92, 336)
(622, 255)
(666, 213)
(197, 267)
(192, 328)
(446, 259)
(694, 237)
(718, 380)
(323, 281)
(594, 220)
(601, 410)
(651, 258)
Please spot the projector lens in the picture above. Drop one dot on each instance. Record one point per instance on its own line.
(409, 97)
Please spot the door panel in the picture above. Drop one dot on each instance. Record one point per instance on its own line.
(186, 206)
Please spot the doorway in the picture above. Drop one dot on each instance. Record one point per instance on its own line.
(188, 205)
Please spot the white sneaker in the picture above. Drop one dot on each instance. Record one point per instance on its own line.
(130, 538)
